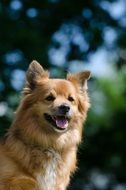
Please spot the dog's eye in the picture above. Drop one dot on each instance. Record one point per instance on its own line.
(71, 99)
(50, 98)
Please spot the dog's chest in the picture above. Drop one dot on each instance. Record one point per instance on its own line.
(48, 176)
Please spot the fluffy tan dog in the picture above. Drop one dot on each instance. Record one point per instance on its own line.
(39, 152)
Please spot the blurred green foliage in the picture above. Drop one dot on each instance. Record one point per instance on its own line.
(59, 33)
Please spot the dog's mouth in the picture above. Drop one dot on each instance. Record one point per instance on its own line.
(58, 121)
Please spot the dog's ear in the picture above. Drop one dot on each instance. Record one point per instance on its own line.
(80, 78)
(34, 74)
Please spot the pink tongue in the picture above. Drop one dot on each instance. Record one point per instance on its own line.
(62, 123)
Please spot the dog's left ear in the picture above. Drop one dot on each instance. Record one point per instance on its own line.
(80, 78)
(34, 74)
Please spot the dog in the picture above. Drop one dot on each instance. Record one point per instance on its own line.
(39, 150)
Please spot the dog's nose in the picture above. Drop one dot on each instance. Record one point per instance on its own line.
(63, 109)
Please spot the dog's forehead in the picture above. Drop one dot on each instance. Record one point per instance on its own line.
(62, 86)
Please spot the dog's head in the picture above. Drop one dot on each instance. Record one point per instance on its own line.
(57, 104)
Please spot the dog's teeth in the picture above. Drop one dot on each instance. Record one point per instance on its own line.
(54, 118)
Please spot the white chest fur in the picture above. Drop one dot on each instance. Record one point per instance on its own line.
(47, 178)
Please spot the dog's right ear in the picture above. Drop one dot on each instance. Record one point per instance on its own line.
(34, 74)
(80, 79)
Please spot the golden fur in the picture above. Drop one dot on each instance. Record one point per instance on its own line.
(35, 155)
